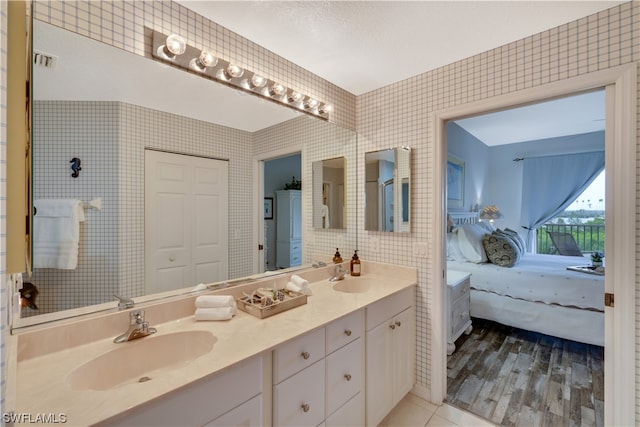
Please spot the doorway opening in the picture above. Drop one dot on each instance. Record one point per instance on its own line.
(283, 212)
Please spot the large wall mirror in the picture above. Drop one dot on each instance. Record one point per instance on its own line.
(329, 193)
(102, 114)
(388, 190)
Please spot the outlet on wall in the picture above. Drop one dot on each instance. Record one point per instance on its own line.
(420, 250)
(374, 245)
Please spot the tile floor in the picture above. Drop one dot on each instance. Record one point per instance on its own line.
(413, 411)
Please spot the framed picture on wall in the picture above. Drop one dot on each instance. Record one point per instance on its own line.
(455, 182)
(268, 208)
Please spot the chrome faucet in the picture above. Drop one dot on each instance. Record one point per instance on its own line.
(138, 328)
(338, 273)
(124, 303)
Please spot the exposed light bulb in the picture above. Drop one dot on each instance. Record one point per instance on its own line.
(310, 103)
(325, 108)
(207, 59)
(257, 81)
(175, 45)
(277, 90)
(295, 96)
(233, 71)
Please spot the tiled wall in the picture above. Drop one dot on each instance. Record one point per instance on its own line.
(4, 329)
(401, 114)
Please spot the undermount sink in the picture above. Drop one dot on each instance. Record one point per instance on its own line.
(135, 361)
(353, 285)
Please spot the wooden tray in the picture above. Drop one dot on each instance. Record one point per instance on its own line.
(291, 300)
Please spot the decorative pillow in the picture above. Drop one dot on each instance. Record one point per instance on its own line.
(514, 238)
(470, 242)
(501, 250)
(518, 238)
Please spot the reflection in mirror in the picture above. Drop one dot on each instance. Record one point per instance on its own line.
(329, 210)
(110, 109)
(388, 190)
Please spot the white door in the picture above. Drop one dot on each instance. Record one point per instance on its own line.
(186, 221)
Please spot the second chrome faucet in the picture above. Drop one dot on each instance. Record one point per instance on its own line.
(138, 328)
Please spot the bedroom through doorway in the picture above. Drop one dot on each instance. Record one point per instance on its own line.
(519, 351)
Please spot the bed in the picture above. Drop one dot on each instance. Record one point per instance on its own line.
(538, 293)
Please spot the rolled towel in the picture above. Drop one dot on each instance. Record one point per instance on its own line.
(218, 313)
(213, 301)
(299, 281)
(300, 289)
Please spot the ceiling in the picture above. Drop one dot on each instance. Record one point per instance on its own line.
(361, 46)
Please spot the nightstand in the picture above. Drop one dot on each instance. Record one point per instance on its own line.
(458, 302)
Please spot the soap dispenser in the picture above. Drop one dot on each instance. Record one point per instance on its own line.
(355, 264)
(337, 258)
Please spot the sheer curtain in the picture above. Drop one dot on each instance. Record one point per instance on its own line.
(551, 183)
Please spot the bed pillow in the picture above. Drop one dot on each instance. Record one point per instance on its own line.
(501, 250)
(453, 251)
(470, 242)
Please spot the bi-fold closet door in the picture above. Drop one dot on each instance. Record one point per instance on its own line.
(186, 221)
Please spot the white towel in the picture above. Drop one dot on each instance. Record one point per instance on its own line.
(218, 313)
(56, 233)
(300, 289)
(299, 281)
(213, 301)
(325, 216)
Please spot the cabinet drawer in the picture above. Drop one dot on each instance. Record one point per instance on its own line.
(344, 330)
(297, 354)
(344, 375)
(249, 414)
(299, 401)
(459, 290)
(459, 315)
(351, 414)
(382, 310)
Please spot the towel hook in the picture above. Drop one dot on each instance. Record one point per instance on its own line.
(75, 167)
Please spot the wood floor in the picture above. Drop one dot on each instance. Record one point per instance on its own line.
(520, 378)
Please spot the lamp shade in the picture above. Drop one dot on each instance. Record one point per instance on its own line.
(490, 212)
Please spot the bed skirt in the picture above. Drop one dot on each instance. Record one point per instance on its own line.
(586, 326)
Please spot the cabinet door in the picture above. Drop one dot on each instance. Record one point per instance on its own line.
(249, 414)
(344, 375)
(296, 216)
(351, 414)
(404, 353)
(379, 373)
(299, 400)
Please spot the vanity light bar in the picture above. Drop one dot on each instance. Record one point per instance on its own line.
(174, 50)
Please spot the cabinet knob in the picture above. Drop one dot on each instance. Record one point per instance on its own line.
(347, 332)
(392, 326)
(172, 258)
(398, 323)
(305, 407)
(305, 355)
(347, 377)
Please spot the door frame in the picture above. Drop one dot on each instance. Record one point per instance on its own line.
(258, 198)
(620, 153)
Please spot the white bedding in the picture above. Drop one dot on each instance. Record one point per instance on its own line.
(539, 278)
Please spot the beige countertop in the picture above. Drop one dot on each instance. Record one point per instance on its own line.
(41, 374)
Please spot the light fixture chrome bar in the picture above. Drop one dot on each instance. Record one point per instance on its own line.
(203, 62)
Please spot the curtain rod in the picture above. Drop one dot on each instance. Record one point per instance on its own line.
(519, 159)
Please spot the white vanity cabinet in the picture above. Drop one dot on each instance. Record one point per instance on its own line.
(390, 353)
(288, 228)
(230, 398)
(319, 376)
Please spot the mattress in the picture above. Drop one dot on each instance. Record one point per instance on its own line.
(539, 278)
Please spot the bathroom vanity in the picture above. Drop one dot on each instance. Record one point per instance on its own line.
(305, 366)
